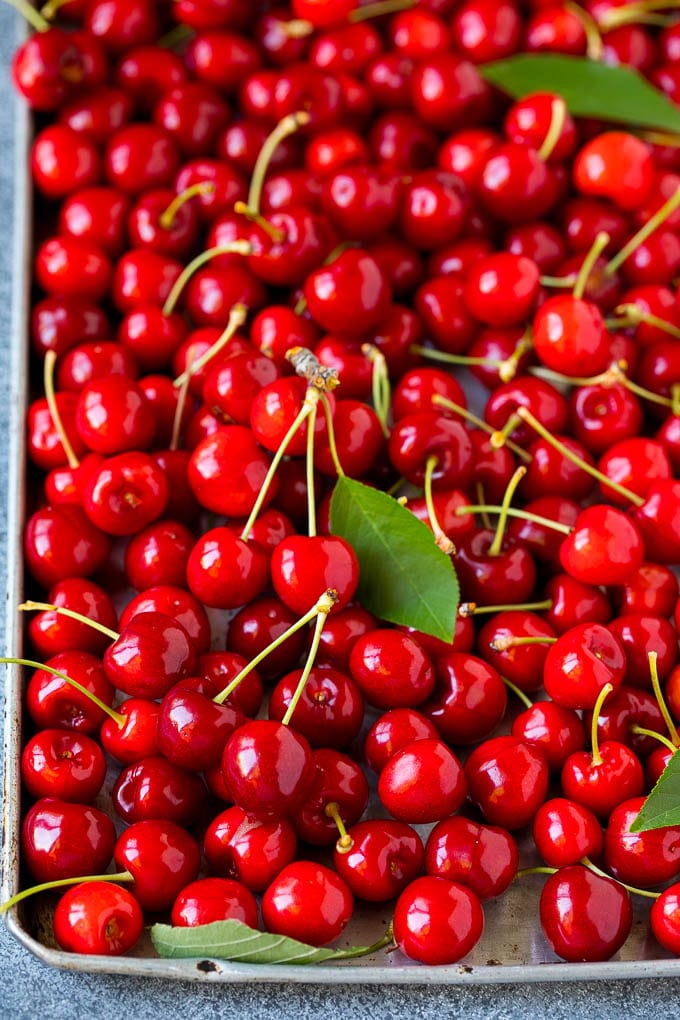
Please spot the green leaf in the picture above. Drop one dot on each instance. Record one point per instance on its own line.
(403, 576)
(662, 806)
(232, 940)
(588, 87)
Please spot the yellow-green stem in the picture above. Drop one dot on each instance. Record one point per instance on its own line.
(380, 8)
(237, 316)
(587, 863)
(472, 609)
(659, 217)
(497, 544)
(51, 398)
(29, 606)
(322, 616)
(309, 468)
(594, 44)
(167, 217)
(597, 247)
(61, 883)
(527, 702)
(330, 428)
(275, 234)
(642, 731)
(287, 126)
(345, 842)
(597, 708)
(439, 400)
(558, 113)
(652, 658)
(432, 354)
(525, 515)
(119, 719)
(442, 540)
(239, 247)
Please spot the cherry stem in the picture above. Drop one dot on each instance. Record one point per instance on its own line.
(497, 545)
(345, 843)
(296, 28)
(597, 247)
(442, 540)
(287, 126)
(508, 368)
(587, 863)
(642, 731)
(309, 470)
(675, 400)
(526, 701)
(499, 437)
(274, 233)
(182, 399)
(466, 609)
(525, 414)
(558, 114)
(380, 385)
(634, 315)
(541, 869)
(30, 606)
(332, 445)
(60, 883)
(652, 658)
(439, 400)
(117, 717)
(659, 217)
(567, 282)
(503, 643)
(453, 359)
(525, 515)
(379, 8)
(323, 607)
(597, 708)
(167, 217)
(30, 14)
(355, 951)
(328, 598)
(615, 375)
(237, 317)
(51, 398)
(594, 44)
(312, 397)
(52, 8)
(238, 247)
(640, 12)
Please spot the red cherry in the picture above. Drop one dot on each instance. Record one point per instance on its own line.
(584, 916)
(267, 767)
(64, 764)
(303, 568)
(565, 832)
(615, 165)
(480, 857)
(383, 858)
(307, 901)
(98, 918)
(214, 899)
(155, 789)
(248, 847)
(508, 780)
(605, 546)
(422, 782)
(64, 840)
(580, 663)
(437, 921)
(162, 858)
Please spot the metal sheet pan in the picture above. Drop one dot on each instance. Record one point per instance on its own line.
(512, 949)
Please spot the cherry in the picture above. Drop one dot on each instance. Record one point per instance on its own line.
(46, 68)
(225, 571)
(580, 663)
(521, 664)
(508, 780)
(643, 859)
(630, 185)
(448, 93)
(97, 215)
(52, 632)
(663, 918)
(424, 435)
(330, 710)
(384, 856)
(193, 729)
(267, 767)
(63, 161)
(214, 899)
(584, 916)
(481, 857)
(555, 731)
(565, 832)
(391, 669)
(652, 589)
(98, 918)
(152, 652)
(131, 734)
(73, 266)
(120, 24)
(154, 788)
(178, 604)
(501, 290)
(227, 469)
(139, 157)
(54, 702)
(61, 839)
(161, 857)
(422, 782)
(145, 72)
(605, 546)
(432, 211)
(392, 731)
(257, 625)
(349, 296)
(569, 336)
(64, 764)
(437, 921)
(574, 602)
(490, 577)
(307, 901)
(302, 568)
(249, 848)
(59, 323)
(469, 701)
(516, 185)
(600, 782)
(336, 799)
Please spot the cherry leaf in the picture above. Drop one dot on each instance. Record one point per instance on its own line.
(588, 87)
(403, 576)
(235, 941)
(662, 806)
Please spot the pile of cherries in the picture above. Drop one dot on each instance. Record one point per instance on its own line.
(264, 235)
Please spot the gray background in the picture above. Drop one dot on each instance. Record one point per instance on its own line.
(28, 989)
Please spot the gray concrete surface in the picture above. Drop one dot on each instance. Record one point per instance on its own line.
(29, 990)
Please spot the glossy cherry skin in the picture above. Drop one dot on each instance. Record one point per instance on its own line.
(556, 731)
(422, 782)
(393, 730)
(126, 493)
(601, 786)
(631, 707)
(605, 547)
(653, 588)
(522, 664)
(574, 602)
(664, 919)
(644, 859)
(98, 918)
(267, 767)
(565, 832)
(61, 839)
(63, 160)
(640, 634)
(580, 663)
(349, 296)
(64, 764)
(307, 901)
(53, 702)
(303, 568)
(584, 916)
(256, 626)
(252, 849)
(51, 632)
(162, 858)
(113, 415)
(383, 858)
(193, 729)
(152, 653)
(330, 710)
(423, 434)
(481, 857)
(154, 788)
(60, 541)
(391, 669)
(631, 184)
(507, 780)
(338, 780)
(224, 571)
(226, 471)
(469, 700)
(182, 607)
(508, 576)
(214, 899)
(135, 737)
(436, 921)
